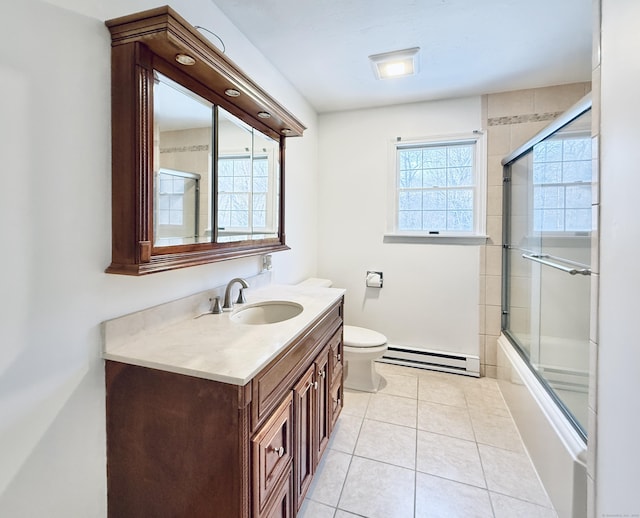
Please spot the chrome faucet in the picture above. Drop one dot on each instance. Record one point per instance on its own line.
(228, 304)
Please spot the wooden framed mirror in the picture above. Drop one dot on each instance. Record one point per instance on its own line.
(198, 151)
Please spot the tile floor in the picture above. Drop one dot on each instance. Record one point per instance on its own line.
(428, 444)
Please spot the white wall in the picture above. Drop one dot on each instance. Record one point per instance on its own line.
(55, 223)
(430, 294)
(618, 402)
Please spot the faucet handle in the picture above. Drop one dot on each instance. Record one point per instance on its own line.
(216, 308)
(241, 298)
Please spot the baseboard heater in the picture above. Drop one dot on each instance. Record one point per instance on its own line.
(465, 364)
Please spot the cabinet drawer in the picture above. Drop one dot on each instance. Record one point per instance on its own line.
(281, 504)
(336, 356)
(271, 452)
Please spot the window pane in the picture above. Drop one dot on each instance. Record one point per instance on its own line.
(240, 202)
(576, 149)
(260, 184)
(410, 179)
(410, 200)
(460, 199)
(459, 156)
(434, 157)
(550, 197)
(259, 202)
(435, 220)
(461, 220)
(410, 220)
(259, 219)
(460, 176)
(241, 183)
(576, 171)
(410, 159)
(578, 197)
(239, 218)
(547, 172)
(435, 200)
(225, 184)
(578, 219)
(435, 178)
(549, 151)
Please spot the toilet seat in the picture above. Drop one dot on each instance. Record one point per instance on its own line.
(361, 337)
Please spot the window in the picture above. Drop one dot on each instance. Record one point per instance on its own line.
(243, 193)
(562, 185)
(439, 188)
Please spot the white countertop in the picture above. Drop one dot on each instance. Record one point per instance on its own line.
(212, 346)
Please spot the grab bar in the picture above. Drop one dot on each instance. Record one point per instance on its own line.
(571, 271)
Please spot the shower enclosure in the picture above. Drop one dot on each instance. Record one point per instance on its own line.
(546, 258)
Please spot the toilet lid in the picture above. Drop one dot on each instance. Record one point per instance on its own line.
(361, 337)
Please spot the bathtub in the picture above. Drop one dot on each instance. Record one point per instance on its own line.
(558, 452)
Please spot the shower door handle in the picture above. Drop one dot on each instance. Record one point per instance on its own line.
(561, 267)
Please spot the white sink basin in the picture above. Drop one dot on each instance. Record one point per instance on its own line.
(268, 312)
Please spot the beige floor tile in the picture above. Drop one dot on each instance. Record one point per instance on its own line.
(445, 392)
(311, 509)
(495, 430)
(345, 433)
(507, 507)
(329, 478)
(399, 385)
(355, 403)
(511, 473)
(387, 442)
(377, 490)
(445, 419)
(449, 457)
(440, 498)
(392, 409)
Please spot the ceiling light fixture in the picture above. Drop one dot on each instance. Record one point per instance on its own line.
(232, 92)
(398, 63)
(264, 115)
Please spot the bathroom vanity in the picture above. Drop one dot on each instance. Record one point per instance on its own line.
(208, 417)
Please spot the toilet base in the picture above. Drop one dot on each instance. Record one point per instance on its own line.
(361, 375)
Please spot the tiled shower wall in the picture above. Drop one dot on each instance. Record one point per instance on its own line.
(512, 118)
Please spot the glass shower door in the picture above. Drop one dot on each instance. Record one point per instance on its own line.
(548, 249)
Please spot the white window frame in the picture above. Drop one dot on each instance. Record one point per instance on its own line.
(478, 234)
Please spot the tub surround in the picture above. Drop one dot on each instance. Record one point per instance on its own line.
(169, 337)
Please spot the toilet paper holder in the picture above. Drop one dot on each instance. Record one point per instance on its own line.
(374, 279)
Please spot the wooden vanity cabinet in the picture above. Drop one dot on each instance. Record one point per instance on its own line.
(182, 446)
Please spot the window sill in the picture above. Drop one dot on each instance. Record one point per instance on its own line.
(449, 239)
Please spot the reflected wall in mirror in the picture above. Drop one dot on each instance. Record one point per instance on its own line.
(198, 150)
(182, 145)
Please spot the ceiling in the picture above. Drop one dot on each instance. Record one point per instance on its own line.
(468, 47)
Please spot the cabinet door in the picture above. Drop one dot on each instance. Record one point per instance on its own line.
(271, 451)
(336, 402)
(304, 411)
(336, 356)
(323, 425)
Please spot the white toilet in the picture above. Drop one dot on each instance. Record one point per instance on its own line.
(362, 347)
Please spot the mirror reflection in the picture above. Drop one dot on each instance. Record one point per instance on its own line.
(216, 179)
(248, 179)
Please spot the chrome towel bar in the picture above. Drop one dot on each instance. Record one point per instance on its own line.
(543, 259)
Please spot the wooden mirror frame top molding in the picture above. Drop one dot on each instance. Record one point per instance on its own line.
(152, 40)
